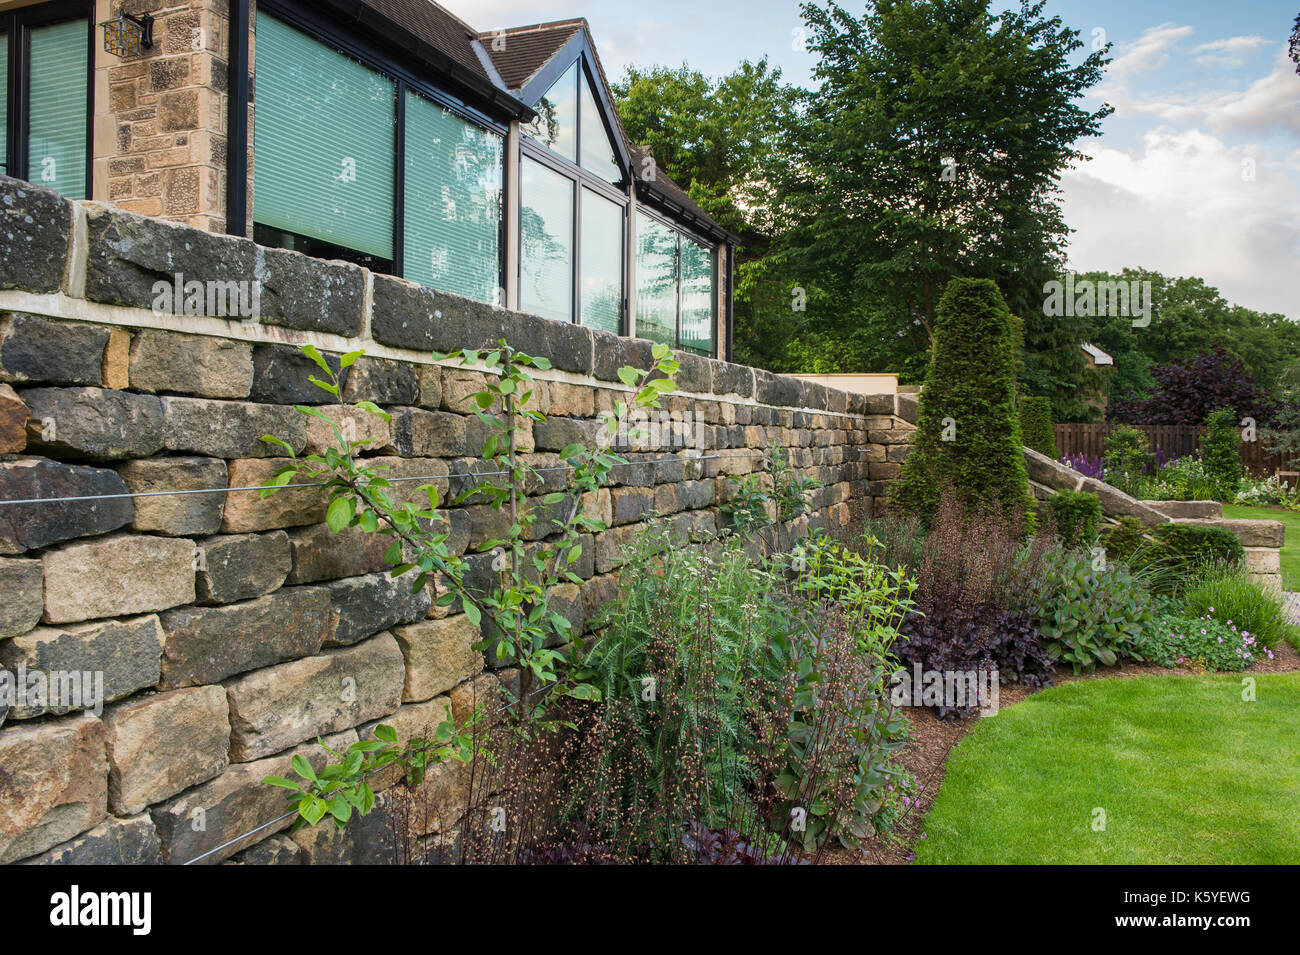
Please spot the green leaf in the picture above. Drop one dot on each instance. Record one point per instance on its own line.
(629, 376)
(302, 767)
(339, 514)
(471, 611)
(386, 733)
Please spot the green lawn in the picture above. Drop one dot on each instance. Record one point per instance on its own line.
(1185, 770)
(1291, 551)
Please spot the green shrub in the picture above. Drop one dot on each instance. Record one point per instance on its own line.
(1077, 515)
(1125, 539)
(1227, 593)
(1126, 458)
(1208, 642)
(1219, 450)
(1036, 426)
(1088, 614)
(968, 434)
(1199, 544)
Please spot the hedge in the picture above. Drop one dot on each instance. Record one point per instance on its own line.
(1036, 426)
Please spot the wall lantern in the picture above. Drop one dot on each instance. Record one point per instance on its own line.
(128, 35)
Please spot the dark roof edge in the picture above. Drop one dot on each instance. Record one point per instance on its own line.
(699, 220)
(395, 35)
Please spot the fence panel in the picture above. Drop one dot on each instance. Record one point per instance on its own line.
(1173, 440)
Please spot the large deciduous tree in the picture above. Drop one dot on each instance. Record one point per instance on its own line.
(932, 149)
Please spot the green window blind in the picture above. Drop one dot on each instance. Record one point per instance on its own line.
(453, 202)
(546, 242)
(4, 102)
(325, 138)
(602, 263)
(697, 297)
(557, 116)
(656, 281)
(56, 142)
(597, 153)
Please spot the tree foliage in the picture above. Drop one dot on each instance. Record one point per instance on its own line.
(1186, 392)
(968, 434)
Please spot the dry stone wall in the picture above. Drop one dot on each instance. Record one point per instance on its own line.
(192, 635)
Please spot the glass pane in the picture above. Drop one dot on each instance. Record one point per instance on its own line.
(656, 281)
(453, 202)
(546, 242)
(4, 102)
(597, 153)
(56, 142)
(324, 140)
(557, 116)
(602, 262)
(697, 297)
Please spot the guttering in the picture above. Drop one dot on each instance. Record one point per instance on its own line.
(394, 35)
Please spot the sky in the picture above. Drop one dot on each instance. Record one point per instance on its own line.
(1197, 172)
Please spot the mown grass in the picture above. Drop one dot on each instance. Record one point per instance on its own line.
(1184, 769)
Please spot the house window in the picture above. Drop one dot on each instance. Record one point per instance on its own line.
(325, 140)
(602, 263)
(597, 153)
(676, 287)
(556, 125)
(546, 242)
(697, 325)
(452, 220)
(44, 136)
(566, 273)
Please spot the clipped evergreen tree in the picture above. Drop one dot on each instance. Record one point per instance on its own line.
(1220, 454)
(1036, 426)
(968, 434)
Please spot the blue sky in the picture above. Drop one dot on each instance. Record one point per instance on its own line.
(1196, 173)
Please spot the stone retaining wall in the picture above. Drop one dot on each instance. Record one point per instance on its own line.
(230, 630)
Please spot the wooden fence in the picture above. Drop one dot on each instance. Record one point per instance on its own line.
(1173, 440)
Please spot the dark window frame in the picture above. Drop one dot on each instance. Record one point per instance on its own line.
(305, 19)
(529, 148)
(16, 25)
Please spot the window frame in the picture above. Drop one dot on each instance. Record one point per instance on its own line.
(682, 232)
(581, 178)
(304, 19)
(17, 26)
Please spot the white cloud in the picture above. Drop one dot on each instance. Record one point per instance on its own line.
(1181, 205)
(1270, 104)
(1149, 52)
(1231, 53)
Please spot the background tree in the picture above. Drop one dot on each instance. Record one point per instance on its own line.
(1186, 392)
(932, 148)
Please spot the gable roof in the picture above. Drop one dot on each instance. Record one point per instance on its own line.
(436, 26)
(522, 58)
(519, 53)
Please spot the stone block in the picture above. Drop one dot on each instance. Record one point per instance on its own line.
(209, 644)
(94, 424)
(272, 709)
(28, 526)
(116, 576)
(236, 567)
(164, 743)
(176, 514)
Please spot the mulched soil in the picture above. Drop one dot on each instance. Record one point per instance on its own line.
(926, 754)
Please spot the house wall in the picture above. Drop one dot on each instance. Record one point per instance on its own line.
(161, 117)
(226, 625)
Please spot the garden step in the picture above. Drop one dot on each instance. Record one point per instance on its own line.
(1187, 509)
